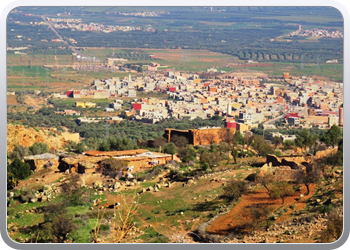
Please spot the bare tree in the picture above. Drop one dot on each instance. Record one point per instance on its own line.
(124, 216)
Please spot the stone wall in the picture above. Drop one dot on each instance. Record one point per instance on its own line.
(37, 164)
(201, 136)
(324, 153)
(280, 173)
(210, 135)
(292, 162)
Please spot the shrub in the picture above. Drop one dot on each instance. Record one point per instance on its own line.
(281, 190)
(169, 148)
(187, 154)
(76, 147)
(235, 189)
(60, 227)
(112, 167)
(38, 148)
(17, 170)
(278, 153)
(26, 195)
(154, 172)
(209, 159)
(72, 190)
(19, 152)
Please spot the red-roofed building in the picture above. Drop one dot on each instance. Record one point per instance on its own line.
(137, 106)
(292, 115)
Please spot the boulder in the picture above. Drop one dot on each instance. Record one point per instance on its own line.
(190, 181)
(98, 184)
(43, 198)
(33, 200)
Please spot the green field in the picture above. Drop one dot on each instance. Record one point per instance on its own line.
(181, 60)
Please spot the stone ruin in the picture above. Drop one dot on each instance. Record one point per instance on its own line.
(292, 162)
(284, 168)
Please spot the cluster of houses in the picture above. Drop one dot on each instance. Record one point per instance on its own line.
(76, 24)
(318, 33)
(248, 100)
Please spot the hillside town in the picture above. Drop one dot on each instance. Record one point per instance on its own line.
(199, 130)
(318, 33)
(244, 101)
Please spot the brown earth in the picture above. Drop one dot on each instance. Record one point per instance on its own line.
(12, 100)
(240, 215)
(34, 101)
(41, 178)
(20, 135)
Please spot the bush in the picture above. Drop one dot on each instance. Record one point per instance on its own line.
(235, 189)
(278, 153)
(26, 195)
(154, 172)
(169, 148)
(17, 170)
(209, 160)
(112, 167)
(187, 154)
(72, 190)
(19, 152)
(76, 147)
(281, 190)
(60, 227)
(38, 148)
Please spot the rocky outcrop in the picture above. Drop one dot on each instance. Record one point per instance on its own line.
(20, 135)
(324, 153)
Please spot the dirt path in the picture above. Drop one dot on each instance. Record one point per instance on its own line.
(240, 214)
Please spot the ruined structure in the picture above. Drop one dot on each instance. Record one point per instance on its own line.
(137, 160)
(292, 162)
(38, 162)
(201, 136)
(280, 173)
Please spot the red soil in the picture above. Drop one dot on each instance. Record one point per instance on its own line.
(240, 214)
